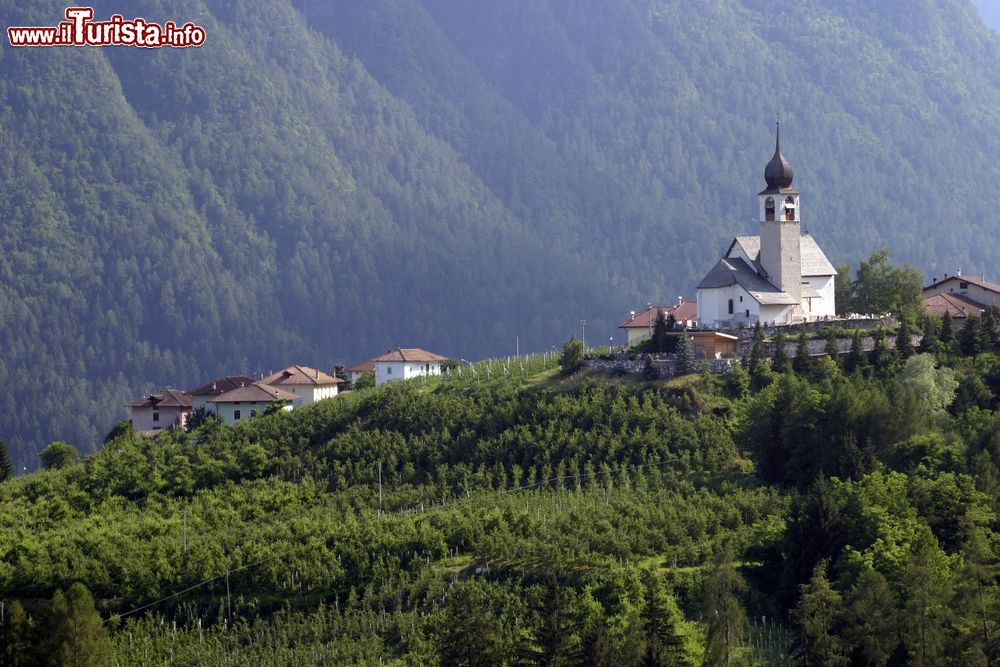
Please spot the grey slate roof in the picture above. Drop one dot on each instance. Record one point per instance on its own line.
(734, 271)
(814, 261)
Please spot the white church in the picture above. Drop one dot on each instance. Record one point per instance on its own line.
(780, 276)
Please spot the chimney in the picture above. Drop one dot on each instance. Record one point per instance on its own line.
(959, 274)
(680, 301)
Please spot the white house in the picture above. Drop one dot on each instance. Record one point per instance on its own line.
(961, 296)
(780, 276)
(307, 383)
(355, 372)
(406, 362)
(245, 402)
(168, 409)
(201, 396)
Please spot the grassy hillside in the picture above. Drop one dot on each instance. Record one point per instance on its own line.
(323, 180)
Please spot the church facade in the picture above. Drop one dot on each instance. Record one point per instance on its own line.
(780, 276)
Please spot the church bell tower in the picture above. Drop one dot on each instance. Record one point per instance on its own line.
(779, 225)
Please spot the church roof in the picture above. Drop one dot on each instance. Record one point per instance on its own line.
(734, 271)
(814, 261)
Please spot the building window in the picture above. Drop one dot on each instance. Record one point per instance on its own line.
(748, 313)
(236, 415)
(730, 306)
(156, 416)
(741, 299)
(388, 370)
(963, 286)
(253, 413)
(769, 209)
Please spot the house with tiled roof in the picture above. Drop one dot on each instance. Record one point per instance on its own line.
(152, 414)
(639, 325)
(404, 363)
(961, 296)
(250, 401)
(200, 396)
(309, 384)
(355, 372)
(780, 276)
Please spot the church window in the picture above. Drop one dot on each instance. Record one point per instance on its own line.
(769, 209)
(730, 306)
(790, 209)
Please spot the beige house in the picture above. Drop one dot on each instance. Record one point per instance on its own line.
(201, 396)
(309, 384)
(154, 413)
(247, 402)
(355, 372)
(961, 296)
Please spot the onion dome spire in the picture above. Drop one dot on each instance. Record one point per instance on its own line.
(778, 173)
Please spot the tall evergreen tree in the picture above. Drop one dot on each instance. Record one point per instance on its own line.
(926, 609)
(18, 638)
(686, 363)
(929, 342)
(6, 467)
(658, 343)
(803, 362)
(780, 361)
(559, 639)
(978, 597)
(970, 336)
(990, 329)
(77, 636)
(724, 613)
(818, 616)
(856, 359)
(757, 353)
(666, 643)
(871, 618)
(832, 347)
(947, 335)
(882, 356)
(904, 338)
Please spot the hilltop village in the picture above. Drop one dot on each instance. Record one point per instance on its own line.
(779, 279)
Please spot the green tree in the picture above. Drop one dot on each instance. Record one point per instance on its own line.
(668, 643)
(819, 615)
(926, 611)
(871, 618)
(978, 594)
(366, 381)
(649, 370)
(571, 358)
(780, 362)
(856, 359)
(929, 341)
(723, 612)
(882, 357)
(59, 455)
(18, 637)
(843, 290)
(947, 335)
(77, 635)
(881, 287)
(970, 337)
(559, 638)
(932, 388)
(758, 354)
(686, 363)
(6, 466)
(658, 343)
(471, 632)
(904, 338)
(802, 362)
(832, 347)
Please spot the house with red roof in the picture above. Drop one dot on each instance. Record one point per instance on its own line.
(639, 325)
(404, 363)
(309, 384)
(247, 402)
(152, 414)
(961, 296)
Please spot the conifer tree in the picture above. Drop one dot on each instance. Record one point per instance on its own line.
(666, 643)
(686, 363)
(780, 362)
(947, 335)
(990, 329)
(856, 359)
(929, 343)
(970, 337)
(77, 636)
(18, 635)
(6, 467)
(871, 618)
(818, 615)
(904, 340)
(658, 343)
(926, 609)
(757, 353)
(723, 610)
(802, 363)
(882, 357)
(832, 347)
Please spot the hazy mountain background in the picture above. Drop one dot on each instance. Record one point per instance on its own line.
(326, 179)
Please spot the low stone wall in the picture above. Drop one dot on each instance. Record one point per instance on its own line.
(665, 364)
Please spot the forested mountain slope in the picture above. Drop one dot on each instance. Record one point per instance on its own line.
(322, 180)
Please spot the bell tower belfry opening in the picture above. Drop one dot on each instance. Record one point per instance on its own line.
(780, 222)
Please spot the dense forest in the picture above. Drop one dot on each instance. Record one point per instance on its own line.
(323, 180)
(816, 511)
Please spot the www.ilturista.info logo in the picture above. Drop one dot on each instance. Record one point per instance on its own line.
(79, 29)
